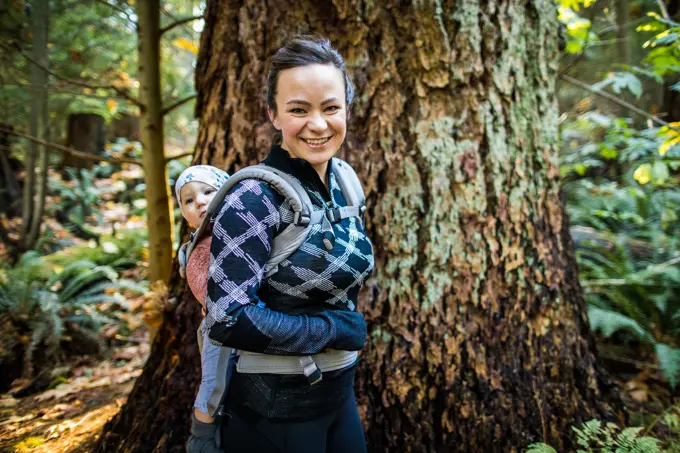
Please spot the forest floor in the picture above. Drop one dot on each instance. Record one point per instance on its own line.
(66, 411)
(70, 416)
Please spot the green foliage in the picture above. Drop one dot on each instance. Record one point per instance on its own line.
(620, 81)
(623, 198)
(597, 437)
(664, 55)
(76, 196)
(579, 30)
(541, 448)
(42, 296)
(121, 251)
(671, 420)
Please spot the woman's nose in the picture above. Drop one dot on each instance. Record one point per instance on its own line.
(317, 123)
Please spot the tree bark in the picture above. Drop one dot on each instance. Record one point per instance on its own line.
(159, 218)
(478, 331)
(10, 189)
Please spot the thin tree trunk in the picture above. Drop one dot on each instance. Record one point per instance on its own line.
(44, 115)
(622, 9)
(41, 188)
(37, 123)
(478, 331)
(159, 219)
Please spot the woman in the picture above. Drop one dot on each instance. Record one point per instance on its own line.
(310, 302)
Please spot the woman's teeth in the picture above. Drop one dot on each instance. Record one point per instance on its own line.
(317, 141)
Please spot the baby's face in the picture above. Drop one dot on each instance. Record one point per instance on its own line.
(195, 197)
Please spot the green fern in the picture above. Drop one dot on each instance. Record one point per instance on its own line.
(609, 322)
(669, 361)
(541, 448)
(596, 437)
(42, 300)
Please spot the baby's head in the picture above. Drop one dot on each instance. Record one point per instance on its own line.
(195, 188)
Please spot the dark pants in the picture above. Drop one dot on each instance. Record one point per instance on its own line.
(337, 432)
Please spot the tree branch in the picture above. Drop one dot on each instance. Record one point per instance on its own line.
(178, 23)
(614, 99)
(117, 8)
(57, 90)
(179, 103)
(123, 93)
(73, 152)
(664, 11)
(179, 156)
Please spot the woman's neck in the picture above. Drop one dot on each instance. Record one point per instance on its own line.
(322, 171)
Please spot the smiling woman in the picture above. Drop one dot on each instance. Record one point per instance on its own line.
(300, 322)
(313, 113)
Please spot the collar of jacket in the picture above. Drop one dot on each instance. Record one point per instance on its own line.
(300, 168)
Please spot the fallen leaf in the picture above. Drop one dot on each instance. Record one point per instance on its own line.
(8, 402)
(17, 419)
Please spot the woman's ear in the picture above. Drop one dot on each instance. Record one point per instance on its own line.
(273, 118)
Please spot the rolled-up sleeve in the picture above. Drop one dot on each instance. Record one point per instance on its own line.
(244, 228)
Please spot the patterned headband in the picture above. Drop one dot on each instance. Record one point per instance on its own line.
(206, 174)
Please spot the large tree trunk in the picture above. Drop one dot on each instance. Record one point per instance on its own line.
(479, 340)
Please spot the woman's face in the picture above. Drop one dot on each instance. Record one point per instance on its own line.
(196, 197)
(311, 112)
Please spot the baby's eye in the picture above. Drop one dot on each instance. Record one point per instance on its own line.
(209, 191)
(189, 200)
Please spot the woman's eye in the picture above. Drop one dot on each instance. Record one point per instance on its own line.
(297, 111)
(332, 108)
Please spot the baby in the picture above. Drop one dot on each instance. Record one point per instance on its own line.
(195, 188)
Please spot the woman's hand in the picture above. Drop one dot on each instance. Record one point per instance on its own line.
(202, 439)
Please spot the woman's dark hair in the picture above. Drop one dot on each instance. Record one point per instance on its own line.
(304, 51)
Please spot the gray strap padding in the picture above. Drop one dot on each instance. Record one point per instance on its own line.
(284, 184)
(256, 363)
(349, 183)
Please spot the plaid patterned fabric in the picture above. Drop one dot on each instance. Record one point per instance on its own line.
(310, 301)
(310, 281)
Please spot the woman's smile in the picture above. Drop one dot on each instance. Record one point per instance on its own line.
(316, 142)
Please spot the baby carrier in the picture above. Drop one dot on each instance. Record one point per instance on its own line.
(283, 245)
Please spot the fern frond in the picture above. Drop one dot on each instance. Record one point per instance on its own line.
(669, 361)
(87, 278)
(540, 448)
(609, 322)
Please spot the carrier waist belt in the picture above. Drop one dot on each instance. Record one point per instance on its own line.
(331, 360)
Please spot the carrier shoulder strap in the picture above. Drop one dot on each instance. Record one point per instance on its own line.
(290, 239)
(351, 189)
(287, 241)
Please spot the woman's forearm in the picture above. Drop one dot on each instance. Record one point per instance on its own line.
(259, 329)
